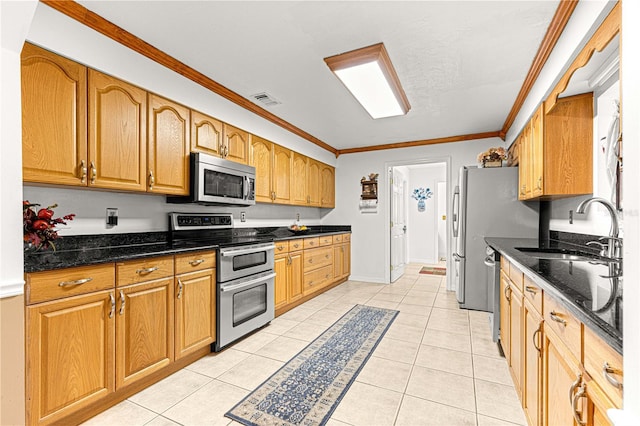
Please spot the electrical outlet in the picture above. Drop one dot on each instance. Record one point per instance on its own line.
(112, 216)
(297, 217)
(243, 217)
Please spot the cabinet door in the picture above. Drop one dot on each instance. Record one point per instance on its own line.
(195, 296)
(70, 347)
(532, 368)
(561, 376)
(168, 167)
(54, 118)
(261, 157)
(338, 262)
(299, 184)
(505, 316)
(295, 276)
(117, 134)
(144, 330)
(537, 154)
(346, 259)
(282, 175)
(313, 183)
(516, 338)
(236, 144)
(524, 171)
(206, 134)
(327, 197)
(281, 268)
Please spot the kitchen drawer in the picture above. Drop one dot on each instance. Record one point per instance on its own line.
(533, 293)
(317, 279)
(190, 262)
(597, 354)
(317, 258)
(346, 238)
(504, 264)
(516, 276)
(281, 247)
(564, 324)
(295, 245)
(326, 240)
(59, 283)
(312, 242)
(136, 271)
(337, 239)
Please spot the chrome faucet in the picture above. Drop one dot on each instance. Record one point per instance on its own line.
(613, 249)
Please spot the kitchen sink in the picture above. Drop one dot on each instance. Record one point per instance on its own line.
(557, 254)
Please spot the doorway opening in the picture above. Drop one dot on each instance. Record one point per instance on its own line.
(418, 211)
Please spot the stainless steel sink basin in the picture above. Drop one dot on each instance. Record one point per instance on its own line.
(556, 254)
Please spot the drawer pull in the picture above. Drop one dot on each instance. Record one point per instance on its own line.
(310, 260)
(147, 270)
(152, 180)
(94, 172)
(123, 302)
(507, 293)
(280, 248)
(531, 289)
(574, 406)
(179, 289)
(113, 305)
(296, 245)
(554, 316)
(83, 171)
(607, 371)
(573, 387)
(76, 282)
(196, 262)
(289, 260)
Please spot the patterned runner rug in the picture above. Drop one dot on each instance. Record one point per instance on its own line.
(307, 389)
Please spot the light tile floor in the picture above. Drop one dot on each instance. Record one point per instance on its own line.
(436, 365)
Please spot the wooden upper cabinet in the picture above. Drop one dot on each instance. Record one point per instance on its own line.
(299, 182)
(261, 157)
(168, 147)
(327, 186)
(117, 134)
(206, 134)
(235, 144)
(54, 118)
(556, 150)
(282, 175)
(313, 183)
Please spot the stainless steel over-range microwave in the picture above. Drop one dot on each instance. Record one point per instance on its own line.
(218, 181)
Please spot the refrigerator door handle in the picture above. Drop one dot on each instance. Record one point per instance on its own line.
(455, 208)
(457, 257)
(489, 262)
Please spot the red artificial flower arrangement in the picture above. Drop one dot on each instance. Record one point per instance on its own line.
(39, 225)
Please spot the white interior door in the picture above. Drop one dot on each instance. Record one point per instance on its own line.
(398, 184)
(441, 220)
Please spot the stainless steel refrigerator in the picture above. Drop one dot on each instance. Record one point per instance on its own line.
(485, 204)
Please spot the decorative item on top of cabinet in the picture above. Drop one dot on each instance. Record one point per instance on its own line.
(206, 134)
(493, 157)
(54, 118)
(169, 144)
(235, 144)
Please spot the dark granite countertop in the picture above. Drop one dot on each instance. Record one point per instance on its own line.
(81, 250)
(583, 287)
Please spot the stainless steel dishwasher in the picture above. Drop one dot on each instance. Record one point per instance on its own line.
(492, 260)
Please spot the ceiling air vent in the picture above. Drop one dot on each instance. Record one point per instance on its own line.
(265, 99)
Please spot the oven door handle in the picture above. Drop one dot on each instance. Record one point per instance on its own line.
(240, 286)
(225, 253)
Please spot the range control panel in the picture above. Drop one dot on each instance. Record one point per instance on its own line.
(190, 221)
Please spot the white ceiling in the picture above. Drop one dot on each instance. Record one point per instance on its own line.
(461, 63)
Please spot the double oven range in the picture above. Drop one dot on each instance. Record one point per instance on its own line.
(244, 271)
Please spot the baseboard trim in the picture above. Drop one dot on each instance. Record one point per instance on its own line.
(11, 289)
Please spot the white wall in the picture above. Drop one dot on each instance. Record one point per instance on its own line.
(144, 213)
(370, 239)
(422, 229)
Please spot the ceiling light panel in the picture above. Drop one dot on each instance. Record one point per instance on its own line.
(370, 77)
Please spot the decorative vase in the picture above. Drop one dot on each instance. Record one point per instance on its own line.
(420, 205)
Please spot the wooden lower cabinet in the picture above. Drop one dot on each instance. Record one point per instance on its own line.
(516, 339)
(281, 282)
(505, 316)
(532, 366)
(144, 329)
(195, 310)
(70, 347)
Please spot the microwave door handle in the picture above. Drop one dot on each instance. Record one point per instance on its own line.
(245, 284)
(227, 253)
(246, 187)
